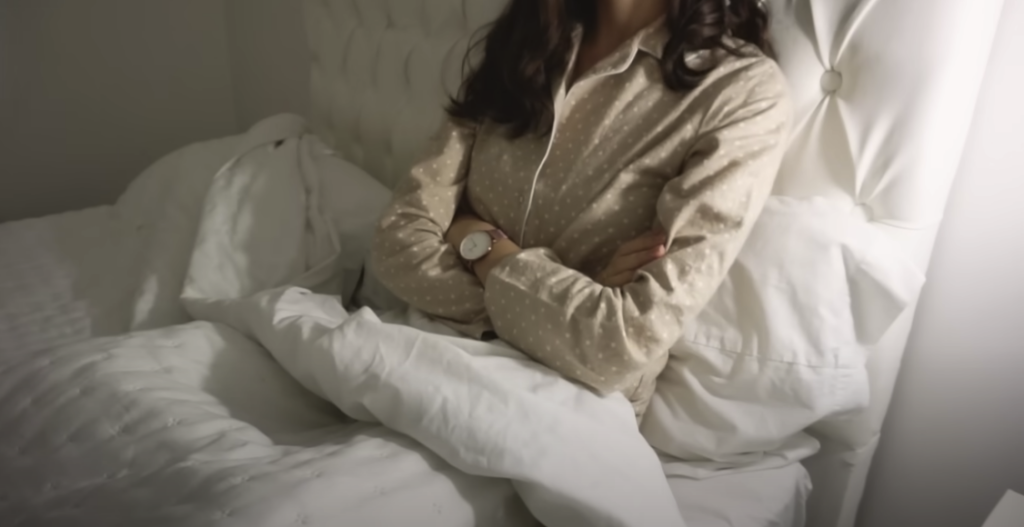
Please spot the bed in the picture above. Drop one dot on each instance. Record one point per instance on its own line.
(119, 409)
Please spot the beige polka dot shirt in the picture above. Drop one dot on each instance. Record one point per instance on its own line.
(625, 155)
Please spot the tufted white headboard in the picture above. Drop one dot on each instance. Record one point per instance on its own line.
(381, 71)
(884, 94)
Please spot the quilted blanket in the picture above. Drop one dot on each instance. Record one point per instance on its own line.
(277, 407)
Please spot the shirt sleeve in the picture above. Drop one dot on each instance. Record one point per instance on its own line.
(410, 254)
(607, 337)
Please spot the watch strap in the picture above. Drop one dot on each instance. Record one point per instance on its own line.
(497, 234)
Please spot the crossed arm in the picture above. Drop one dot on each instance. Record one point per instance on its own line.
(621, 270)
(603, 330)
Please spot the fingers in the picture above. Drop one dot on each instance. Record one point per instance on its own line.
(633, 255)
(631, 262)
(622, 269)
(645, 241)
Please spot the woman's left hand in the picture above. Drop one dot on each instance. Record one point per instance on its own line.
(632, 256)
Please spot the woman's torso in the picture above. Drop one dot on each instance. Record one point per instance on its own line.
(594, 181)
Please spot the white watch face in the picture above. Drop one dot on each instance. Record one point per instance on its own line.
(475, 246)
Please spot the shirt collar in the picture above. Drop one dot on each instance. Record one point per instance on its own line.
(652, 39)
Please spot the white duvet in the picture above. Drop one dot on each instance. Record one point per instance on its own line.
(109, 269)
(199, 424)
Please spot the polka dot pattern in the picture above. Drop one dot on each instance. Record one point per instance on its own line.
(626, 155)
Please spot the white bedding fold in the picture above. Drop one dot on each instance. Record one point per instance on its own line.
(574, 457)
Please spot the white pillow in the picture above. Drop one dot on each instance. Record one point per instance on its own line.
(290, 214)
(167, 202)
(355, 201)
(782, 344)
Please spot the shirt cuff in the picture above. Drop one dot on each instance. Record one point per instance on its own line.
(519, 264)
(521, 281)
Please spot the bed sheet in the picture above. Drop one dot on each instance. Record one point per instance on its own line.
(774, 497)
(65, 277)
(195, 424)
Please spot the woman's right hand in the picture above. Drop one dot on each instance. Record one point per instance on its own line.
(633, 255)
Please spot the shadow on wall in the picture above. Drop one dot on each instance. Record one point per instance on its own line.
(93, 92)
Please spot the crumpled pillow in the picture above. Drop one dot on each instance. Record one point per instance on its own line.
(169, 199)
(355, 201)
(782, 343)
(292, 214)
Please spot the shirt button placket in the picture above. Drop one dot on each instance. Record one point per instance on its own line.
(524, 206)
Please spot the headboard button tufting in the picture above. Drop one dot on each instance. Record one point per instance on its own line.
(831, 81)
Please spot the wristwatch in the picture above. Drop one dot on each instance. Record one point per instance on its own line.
(477, 245)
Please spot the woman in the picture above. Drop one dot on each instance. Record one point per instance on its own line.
(597, 176)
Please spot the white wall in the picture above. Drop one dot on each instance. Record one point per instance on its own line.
(953, 441)
(93, 91)
(269, 58)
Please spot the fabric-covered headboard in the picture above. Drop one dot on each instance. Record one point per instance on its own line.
(884, 94)
(382, 71)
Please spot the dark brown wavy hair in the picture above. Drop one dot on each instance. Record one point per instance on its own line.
(528, 47)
